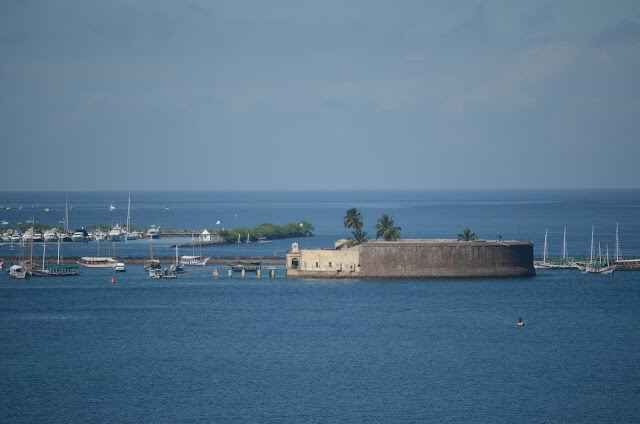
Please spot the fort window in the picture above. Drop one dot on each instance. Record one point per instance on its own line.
(317, 265)
(329, 264)
(294, 263)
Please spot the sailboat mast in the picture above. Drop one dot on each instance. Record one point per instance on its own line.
(66, 214)
(128, 213)
(564, 245)
(617, 244)
(544, 251)
(58, 250)
(44, 250)
(593, 227)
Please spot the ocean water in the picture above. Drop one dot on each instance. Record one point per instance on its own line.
(198, 349)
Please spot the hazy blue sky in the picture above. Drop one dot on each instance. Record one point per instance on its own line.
(297, 94)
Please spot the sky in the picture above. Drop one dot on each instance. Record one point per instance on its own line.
(319, 95)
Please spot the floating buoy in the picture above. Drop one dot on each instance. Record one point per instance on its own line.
(113, 280)
(520, 323)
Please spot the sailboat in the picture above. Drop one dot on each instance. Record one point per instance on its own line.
(131, 235)
(564, 264)
(193, 260)
(599, 267)
(178, 267)
(151, 264)
(246, 266)
(57, 270)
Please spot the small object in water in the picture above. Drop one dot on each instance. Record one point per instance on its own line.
(520, 323)
(113, 280)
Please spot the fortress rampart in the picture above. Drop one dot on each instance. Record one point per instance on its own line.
(414, 258)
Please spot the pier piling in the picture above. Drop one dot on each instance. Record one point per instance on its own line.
(258, 273)
(215, 272)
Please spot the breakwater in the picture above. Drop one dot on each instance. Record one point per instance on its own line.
(219, 260)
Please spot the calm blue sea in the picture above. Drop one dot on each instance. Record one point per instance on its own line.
(199, 349)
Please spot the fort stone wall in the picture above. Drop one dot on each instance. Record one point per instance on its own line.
(414, 259)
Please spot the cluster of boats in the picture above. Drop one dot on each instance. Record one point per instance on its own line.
(117, 233)
(595, 264)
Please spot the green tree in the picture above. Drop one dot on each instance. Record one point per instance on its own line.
(353, 219)
(467, 235)
(386, 228)
(359, 236)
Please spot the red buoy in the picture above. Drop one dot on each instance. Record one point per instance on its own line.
(113, 280)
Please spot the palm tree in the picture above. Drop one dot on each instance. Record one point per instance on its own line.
(353, 219)
(386, 230)
(359, 236)
(467, 235)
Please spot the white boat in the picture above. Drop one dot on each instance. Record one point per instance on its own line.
(133, 235)
(153, 232)
(158, 273)
(116, 233)
(50, 236)
(112, 207)
(97, 262)
(544, 264)
(80, 235)
(18, 272)
(120, 267)
(194, 260)
(599, 267)
(28, 235)
(4, 222)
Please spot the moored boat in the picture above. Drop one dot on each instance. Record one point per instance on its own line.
(80, 235)
(194, 260)
(97, 262)
(153, 232)
(18, 272)
(116, 233)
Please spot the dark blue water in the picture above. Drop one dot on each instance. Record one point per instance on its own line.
(197, 349)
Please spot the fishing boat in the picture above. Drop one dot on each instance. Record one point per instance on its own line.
(97, 262)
